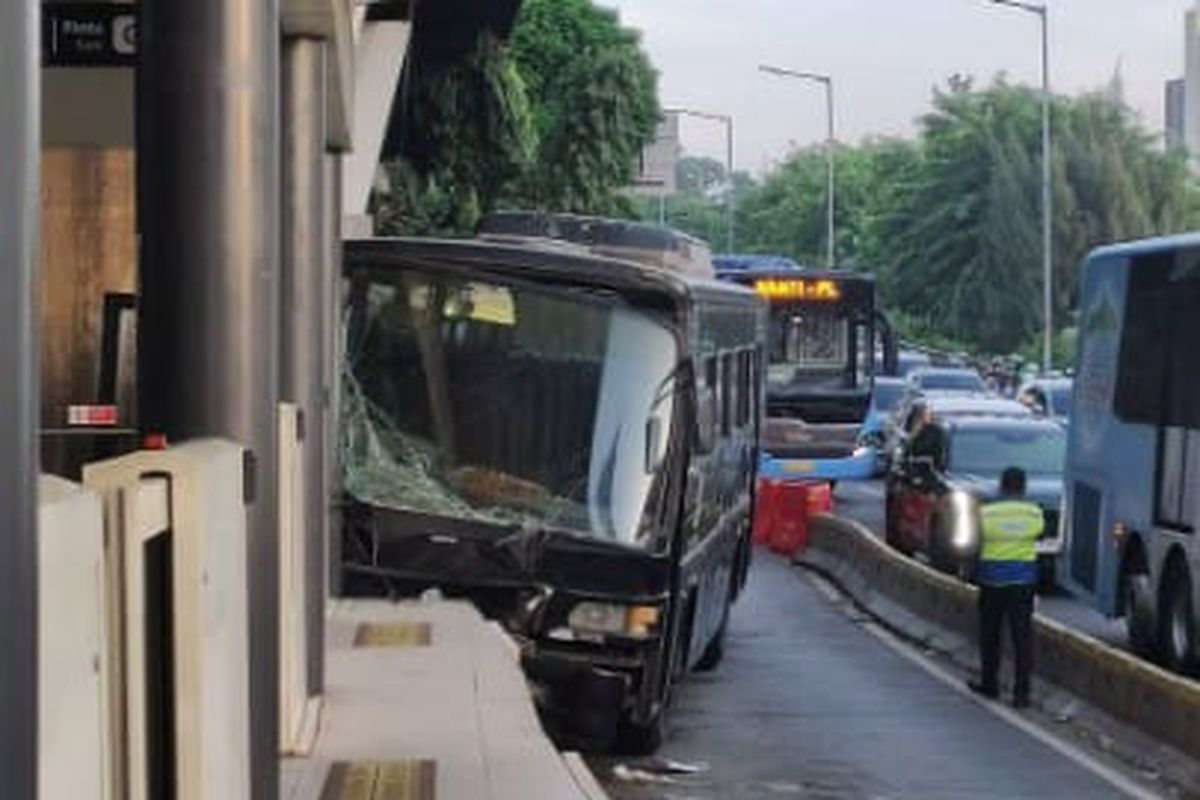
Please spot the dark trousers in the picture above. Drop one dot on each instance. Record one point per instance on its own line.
(998, 604)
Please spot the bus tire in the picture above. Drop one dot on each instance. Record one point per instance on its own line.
(711, 658)
(1177, 634)
(640, 739)
(1139, 613)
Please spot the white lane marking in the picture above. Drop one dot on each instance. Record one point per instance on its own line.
(955, 682)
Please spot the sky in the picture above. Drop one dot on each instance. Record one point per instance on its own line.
(886, 57)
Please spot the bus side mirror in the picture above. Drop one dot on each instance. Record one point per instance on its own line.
(654, 453)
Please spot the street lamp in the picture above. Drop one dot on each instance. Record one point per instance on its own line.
(831, 147)
(1043, 13)
(727, 121)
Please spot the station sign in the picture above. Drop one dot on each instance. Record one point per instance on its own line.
(89, 35)
(820, 289)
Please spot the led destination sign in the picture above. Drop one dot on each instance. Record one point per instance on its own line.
(820, 289)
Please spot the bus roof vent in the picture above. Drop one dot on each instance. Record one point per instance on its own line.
(651, 245)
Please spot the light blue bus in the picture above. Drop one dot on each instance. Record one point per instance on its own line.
(820, 350)
(1132, 482)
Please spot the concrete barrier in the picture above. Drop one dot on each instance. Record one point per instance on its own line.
(929, 606)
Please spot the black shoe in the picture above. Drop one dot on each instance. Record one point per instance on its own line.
(1020, 702)
(990, 692)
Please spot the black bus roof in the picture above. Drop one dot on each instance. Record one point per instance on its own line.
(748, 275)
(539, 259)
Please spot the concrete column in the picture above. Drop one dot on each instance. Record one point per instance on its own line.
(19, 202)
(305, 253)
(332, 376)
(208, 170)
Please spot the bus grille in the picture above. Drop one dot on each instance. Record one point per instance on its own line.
(1085, 535)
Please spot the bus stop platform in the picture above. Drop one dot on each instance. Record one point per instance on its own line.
(425, 700)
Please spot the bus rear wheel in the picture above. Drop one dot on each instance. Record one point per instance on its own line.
(1139, 613)
(1178, 633)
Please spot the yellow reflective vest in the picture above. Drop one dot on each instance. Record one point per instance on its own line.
(1011, 529)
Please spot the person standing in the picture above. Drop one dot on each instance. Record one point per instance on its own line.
(1007, 577)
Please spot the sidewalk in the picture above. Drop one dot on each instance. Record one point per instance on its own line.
(426, 700)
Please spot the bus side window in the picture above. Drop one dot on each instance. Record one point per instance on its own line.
(728, 391)
(708, 399)
(744, 389)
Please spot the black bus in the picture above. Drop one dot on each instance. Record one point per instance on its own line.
(568, 440)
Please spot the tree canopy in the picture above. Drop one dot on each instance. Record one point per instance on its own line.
(951, 221)
(555, 118)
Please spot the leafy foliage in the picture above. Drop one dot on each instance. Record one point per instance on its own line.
(595, 99)
(556, 118)
(951, 222)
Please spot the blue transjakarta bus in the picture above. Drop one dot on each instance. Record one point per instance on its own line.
(821, 348)
(1132, 482)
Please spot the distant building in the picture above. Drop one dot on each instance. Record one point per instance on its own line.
(1191, 103)
(656, 177)
(1176, 113)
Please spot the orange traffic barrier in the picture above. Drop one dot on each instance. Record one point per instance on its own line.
(790, 530)
(820, 498)
(765, 510)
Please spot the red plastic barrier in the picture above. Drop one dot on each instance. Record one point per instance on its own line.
(790, 531)
(766, 508)
(820, 498)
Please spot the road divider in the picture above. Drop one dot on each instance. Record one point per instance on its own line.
(941, 612)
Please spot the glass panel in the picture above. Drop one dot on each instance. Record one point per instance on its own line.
(1040, 450)
(1172, 458)
(507, 404)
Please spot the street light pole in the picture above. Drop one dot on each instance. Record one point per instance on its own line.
(1043, 14)
(830, 148)
(727, 121)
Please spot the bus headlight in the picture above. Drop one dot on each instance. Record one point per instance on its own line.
(611, 619)
(964, 516)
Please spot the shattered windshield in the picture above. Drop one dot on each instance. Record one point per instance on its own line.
(505, 403)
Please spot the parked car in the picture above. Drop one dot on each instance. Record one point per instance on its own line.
(946, 406)
(1049, 398)
(947, 379)
(933, 499)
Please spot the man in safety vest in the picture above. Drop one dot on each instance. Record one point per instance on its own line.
(1007, 575)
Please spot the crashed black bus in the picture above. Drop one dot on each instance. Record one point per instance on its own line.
(557, 420)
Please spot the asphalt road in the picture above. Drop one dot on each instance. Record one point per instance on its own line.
(809, 703)
(863, 502)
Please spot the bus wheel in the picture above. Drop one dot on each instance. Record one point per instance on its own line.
(1139, 613)
(1178, 632)
(710, 659)
(640, 739)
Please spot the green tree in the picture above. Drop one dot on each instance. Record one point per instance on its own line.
(965, 237)
(556, 119)
(470, 137)
(595, 100)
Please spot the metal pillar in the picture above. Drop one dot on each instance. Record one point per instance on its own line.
(1047, 205)
(831, 156)
(332, 374)
(19, 203)
(208, 204)
(303, 311)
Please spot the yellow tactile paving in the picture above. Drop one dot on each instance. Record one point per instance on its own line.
(393, 634)
(404, 779)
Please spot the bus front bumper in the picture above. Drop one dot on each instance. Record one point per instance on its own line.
(861, 465)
